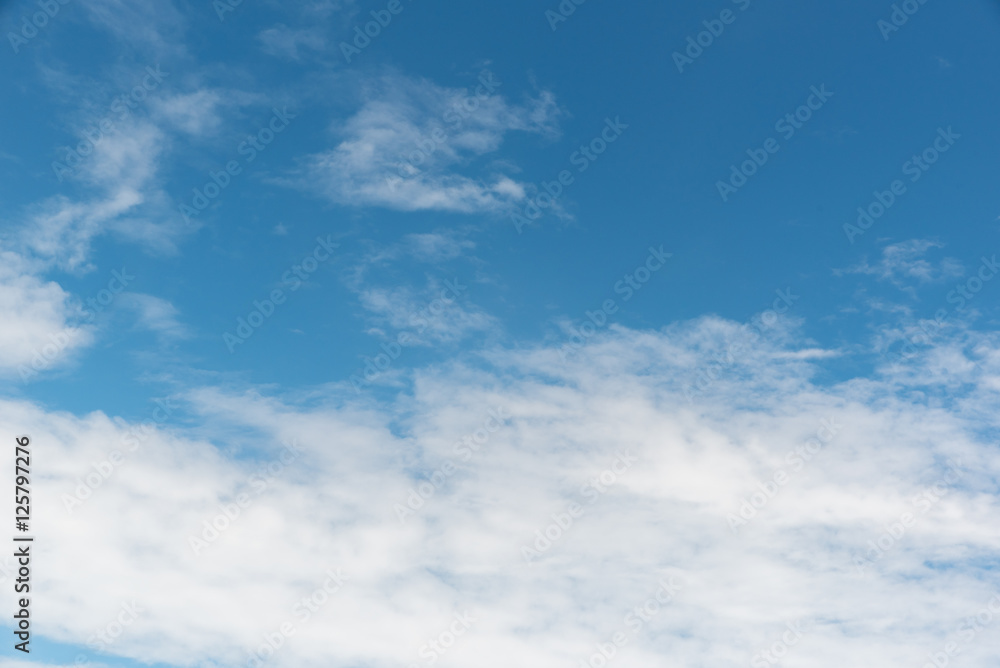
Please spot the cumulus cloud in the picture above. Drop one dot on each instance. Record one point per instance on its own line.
(409, 144)
(41, 324)
(598, 465)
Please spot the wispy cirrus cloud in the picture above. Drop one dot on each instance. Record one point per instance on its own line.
(283, 41)
(152, 27)
(128, 202)
(118, 190)
(906, 262)
(155, 314)
(438, 313)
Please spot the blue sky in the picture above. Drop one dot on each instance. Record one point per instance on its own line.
(274, 238)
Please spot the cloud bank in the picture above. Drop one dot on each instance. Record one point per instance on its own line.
(515, 506)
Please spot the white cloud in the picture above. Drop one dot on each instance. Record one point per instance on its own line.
(125, 201)
(195, 113)
(155, 314)
(40, 330)
(280, 40)
(130, 204)
(905, 262)
(155, 27)
(440, 313)
(436, 247)
(429, 247)
(665, 516)
(405, 148)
